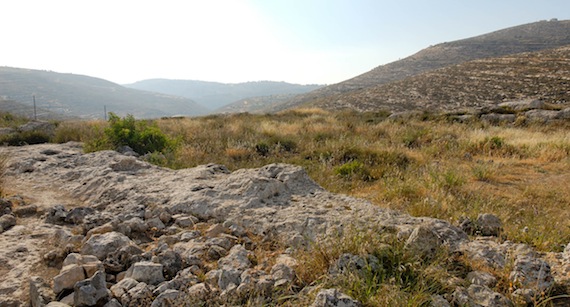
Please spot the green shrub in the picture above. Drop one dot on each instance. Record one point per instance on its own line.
(25, 138)
(262, 148)
(275, 143)
(354, 169)
(140, 136)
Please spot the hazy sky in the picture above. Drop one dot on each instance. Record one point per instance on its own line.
(299, 41)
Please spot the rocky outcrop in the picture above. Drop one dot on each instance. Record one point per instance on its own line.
(148, 236)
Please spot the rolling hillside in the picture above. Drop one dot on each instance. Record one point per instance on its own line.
(85, 97)
(215, 95)
(543, 75)
(524, 38)
(258, 104)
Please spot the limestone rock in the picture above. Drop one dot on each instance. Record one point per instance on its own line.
(481, 278)
(167, 298)
(496, 118)
(489, 225)
(26, 211)
(531, 273)
(334, 298)
(255, 281)
(523, 105)
(215, 230)
(171, 262)
(139, 295)
(7, 221)
(439, 301)
(101, 245)
(147, 272)
(477, 295)
(282, 271)
(113, 303)
(184, 221)
(229, 277)
(123, 286)
(40, 292)
(541, 115)
(563, 114)
(67, 277)
(238, 258)
(423, 241)
(199, 291)
(91, 291)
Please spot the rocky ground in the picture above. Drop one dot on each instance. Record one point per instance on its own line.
(107, 229)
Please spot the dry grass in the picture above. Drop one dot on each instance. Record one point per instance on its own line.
(424, 167)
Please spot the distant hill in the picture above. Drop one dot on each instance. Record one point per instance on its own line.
(85, 97)
(543, 75)
(259, 104)
(524, 38)
(214, 95)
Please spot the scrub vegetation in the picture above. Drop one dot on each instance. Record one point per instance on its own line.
(425, 165)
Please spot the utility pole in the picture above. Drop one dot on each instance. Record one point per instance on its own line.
(105, 111)
(35, 114)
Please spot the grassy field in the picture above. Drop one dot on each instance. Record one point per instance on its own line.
(425, 166)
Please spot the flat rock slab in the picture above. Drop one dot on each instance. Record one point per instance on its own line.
(278, 200)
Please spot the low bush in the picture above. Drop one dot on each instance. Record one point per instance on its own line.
(141, 136)
(354, 169)
(25, 138)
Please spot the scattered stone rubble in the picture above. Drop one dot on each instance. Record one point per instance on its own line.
(518, 111)
(140, 235)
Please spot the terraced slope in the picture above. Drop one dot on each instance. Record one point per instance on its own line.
(524, 38)
(542, 75)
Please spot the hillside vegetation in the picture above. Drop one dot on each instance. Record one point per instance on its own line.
(424, 167)
(524, 38)
(543, 75)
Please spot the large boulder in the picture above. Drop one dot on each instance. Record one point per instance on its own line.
(101, 245)
(67, 277)
(92, 291)
(147, 272)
